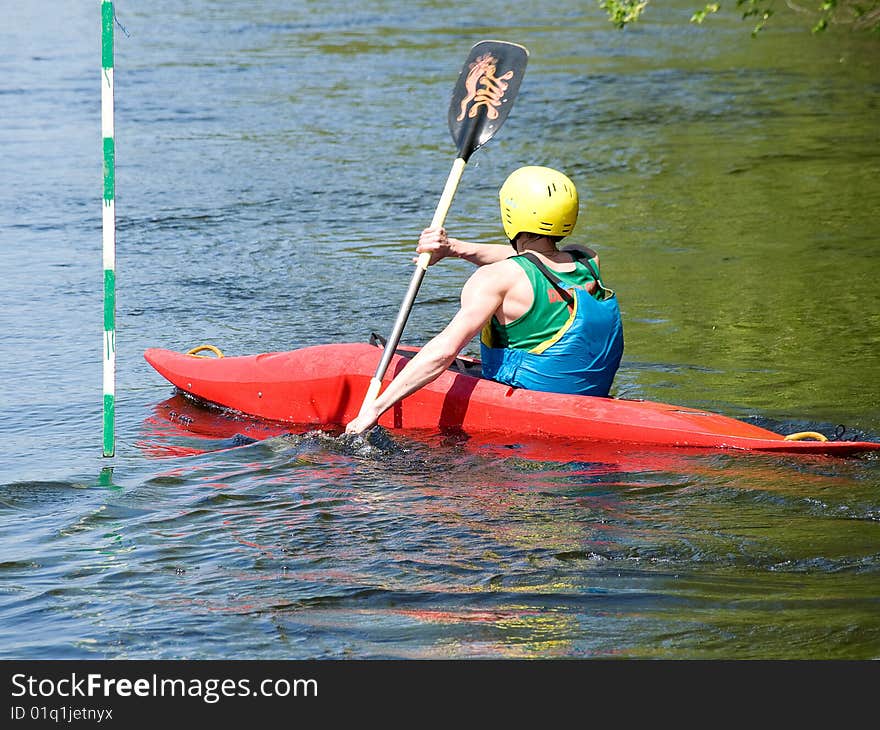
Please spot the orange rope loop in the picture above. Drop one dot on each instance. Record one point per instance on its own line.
(804, 435)
(201, 348)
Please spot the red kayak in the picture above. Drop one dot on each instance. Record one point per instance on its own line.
(324, 386)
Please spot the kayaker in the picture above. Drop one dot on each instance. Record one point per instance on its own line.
(548, 323)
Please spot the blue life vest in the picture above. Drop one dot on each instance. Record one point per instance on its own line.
(581, 358)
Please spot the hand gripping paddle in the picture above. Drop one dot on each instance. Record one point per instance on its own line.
(481, 101)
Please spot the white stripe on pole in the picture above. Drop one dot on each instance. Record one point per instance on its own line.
(108, 226)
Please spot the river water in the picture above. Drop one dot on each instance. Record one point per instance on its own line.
(275, 163)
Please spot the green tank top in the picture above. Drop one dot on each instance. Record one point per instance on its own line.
(548, 313)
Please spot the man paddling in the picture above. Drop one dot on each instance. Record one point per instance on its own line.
(547, 321)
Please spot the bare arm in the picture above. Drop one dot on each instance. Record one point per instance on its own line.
(436, 242)
(480, 298)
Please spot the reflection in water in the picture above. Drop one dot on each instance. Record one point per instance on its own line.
(439, 547)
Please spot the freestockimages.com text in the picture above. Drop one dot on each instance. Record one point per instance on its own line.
(209, 690)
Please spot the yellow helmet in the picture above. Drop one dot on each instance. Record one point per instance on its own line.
(538, 200)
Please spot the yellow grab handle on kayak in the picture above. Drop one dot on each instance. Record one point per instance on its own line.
(201, 348)
(804, 435)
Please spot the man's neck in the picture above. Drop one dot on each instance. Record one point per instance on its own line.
(538, 244)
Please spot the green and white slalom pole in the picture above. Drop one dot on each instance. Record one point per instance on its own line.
(108, 227)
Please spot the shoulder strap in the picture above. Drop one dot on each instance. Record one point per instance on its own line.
(588, 262)
(557, 283)
(584, 259)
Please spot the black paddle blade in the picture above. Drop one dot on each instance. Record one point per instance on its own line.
(484, 94)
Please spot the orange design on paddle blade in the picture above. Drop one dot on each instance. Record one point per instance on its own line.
(484, 89)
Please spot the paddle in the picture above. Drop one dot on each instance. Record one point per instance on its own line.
(481, 101)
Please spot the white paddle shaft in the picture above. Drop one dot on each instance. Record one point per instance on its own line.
(444, 204)
(421, 267)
